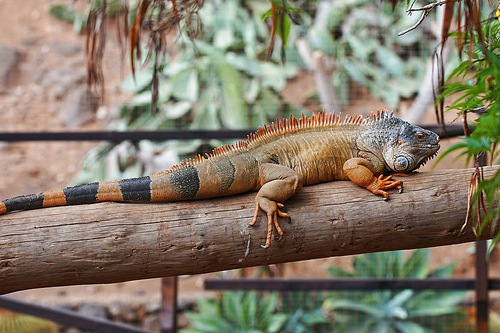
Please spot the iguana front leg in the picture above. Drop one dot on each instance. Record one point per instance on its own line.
(278, 183)
(362, 172)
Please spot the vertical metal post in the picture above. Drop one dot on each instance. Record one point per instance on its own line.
(482, 306)
(168, 311)
(482, 302)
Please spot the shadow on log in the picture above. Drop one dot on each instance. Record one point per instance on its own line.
(114, 242)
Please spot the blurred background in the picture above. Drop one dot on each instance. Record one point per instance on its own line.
(344, 56)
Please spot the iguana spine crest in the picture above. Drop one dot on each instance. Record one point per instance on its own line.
(265, 133)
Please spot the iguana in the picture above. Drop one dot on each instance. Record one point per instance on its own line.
(276, 161)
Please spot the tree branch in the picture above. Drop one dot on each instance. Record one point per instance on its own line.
(322, 67)
(114, 242)
(427, 91)
(425, 11)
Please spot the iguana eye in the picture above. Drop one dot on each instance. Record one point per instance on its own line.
(420, 135)
(401, 163)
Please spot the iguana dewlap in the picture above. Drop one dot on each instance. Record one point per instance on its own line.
(276, 161)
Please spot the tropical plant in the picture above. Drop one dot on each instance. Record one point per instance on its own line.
(481, 95)
(368, 50)
(382, 311)
(243, 312)
(393, 311)
(305, 312)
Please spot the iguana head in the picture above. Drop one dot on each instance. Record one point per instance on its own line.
(409, 147)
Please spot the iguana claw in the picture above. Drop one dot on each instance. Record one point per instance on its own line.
(378, 185)
(272, 219)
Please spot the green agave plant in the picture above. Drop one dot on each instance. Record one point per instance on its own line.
(242, 312)
(305, 312)
(387, 311)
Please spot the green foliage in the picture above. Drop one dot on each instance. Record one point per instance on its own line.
(305, 312)
(21, 323)
(481, 92)
(393, 311)
(79, 20)
(237, 312)
(362, 36)
(217, 81)
(68, 14)
(63, 13)
(285, 15)
(343, 311)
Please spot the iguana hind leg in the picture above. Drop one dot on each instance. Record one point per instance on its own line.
(362, 172)
(278, 183)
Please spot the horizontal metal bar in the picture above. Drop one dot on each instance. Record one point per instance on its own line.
(450, 131)
(180, 134)
(66, 317)
(123, 136)
(280, 284)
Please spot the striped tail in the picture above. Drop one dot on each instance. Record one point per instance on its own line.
(204, 178)
(125, 190)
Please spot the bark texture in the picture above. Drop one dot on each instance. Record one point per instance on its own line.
(114, 242)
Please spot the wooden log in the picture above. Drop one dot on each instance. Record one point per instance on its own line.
(114, 242)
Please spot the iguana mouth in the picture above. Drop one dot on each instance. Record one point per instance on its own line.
(425, 159)
(428, 146)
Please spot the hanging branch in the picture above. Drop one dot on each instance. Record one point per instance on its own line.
(426, 10)
(96, 42)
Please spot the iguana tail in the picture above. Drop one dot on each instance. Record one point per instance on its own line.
(200, 178)
(135, 189)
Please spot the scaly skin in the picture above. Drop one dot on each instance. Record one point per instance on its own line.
(276, 161)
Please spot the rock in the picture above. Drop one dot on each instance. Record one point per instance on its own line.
(152, 307)
(61, 81)
(8, 66)
(123, 312)
(83, 105)
(29, 41)
(77, 105)
(93, 310)
(151, 323)
(65, 49)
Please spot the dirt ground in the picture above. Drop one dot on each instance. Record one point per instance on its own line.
(34, 102)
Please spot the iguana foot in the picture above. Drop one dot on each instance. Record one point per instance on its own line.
(403, 174)
(378, 185)
(362, 172)
(278, 184)
(272, 210)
